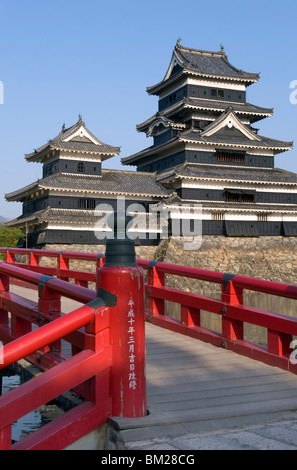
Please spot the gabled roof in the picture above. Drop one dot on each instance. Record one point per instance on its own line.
(226, 132)
(255, 113)
(163, 121)
(110, 182)
(203, 64)
(229, 131)
(76, 138)
(232, 138)
(229, 119)
(224, 173)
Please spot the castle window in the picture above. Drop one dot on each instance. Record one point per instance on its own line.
(223, 157)
(221, 93)
(80, 167)
(234, 157)
(239, 196)
(218, 216)
(263, 217)
(213, 92)
(86, 203)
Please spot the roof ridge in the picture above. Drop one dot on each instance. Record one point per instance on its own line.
(221, 53)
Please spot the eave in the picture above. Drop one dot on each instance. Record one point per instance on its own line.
(220, 108)
(131, 159)
(21, 193)
(39, 156)
(226, 146)
(158, 87)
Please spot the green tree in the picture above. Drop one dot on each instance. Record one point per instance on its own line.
(9, 236)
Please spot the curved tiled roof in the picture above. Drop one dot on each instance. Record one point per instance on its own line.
(200, 104)
(110, 182)
(205, 64)
(228, 173)
(238, 140)
(74, 144)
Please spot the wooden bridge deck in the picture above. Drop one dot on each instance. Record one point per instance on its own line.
(195, 387)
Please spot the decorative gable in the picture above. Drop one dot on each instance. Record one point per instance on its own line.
(230, 121)
(174, 66)
(81, 135)
(161, 123)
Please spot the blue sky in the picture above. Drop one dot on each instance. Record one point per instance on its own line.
(96, 57)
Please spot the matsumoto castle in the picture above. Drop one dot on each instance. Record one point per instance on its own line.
(205, 150)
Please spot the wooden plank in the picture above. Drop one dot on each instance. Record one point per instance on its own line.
(182, 405)
(192, 363)
(211, 413)
(210, 391)
(156, 392)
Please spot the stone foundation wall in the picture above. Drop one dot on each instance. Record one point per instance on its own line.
(270, 258)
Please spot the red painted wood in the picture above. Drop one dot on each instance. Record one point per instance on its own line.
(52, 383)
(33, 258)
(189, 316)
(47, 334)
(278, 343)
(127, 337)
(5, 438)
(185, 271)
(280, 328)
(275, 321)
(156, 306)
(67, 428)
(268, 287)
(231, 328)
(186, 298)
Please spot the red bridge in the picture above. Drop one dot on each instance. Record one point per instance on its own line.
(106, 363)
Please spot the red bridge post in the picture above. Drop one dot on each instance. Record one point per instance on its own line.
(121, 276)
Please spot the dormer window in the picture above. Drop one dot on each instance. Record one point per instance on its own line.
(80, 167)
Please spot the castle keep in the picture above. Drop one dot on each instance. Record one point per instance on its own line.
(206, 150)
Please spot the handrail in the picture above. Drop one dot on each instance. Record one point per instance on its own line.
(266, 287)
(229, 306)
(259, 285)
(64, 288)
(60, 374)
(93, 369)
(46, 334)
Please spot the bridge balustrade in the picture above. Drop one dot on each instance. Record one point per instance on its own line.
(87, 345)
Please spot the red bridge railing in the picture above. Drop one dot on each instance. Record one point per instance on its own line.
(281, 329)
(106, 368)
(42, 346)
(96, 339)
